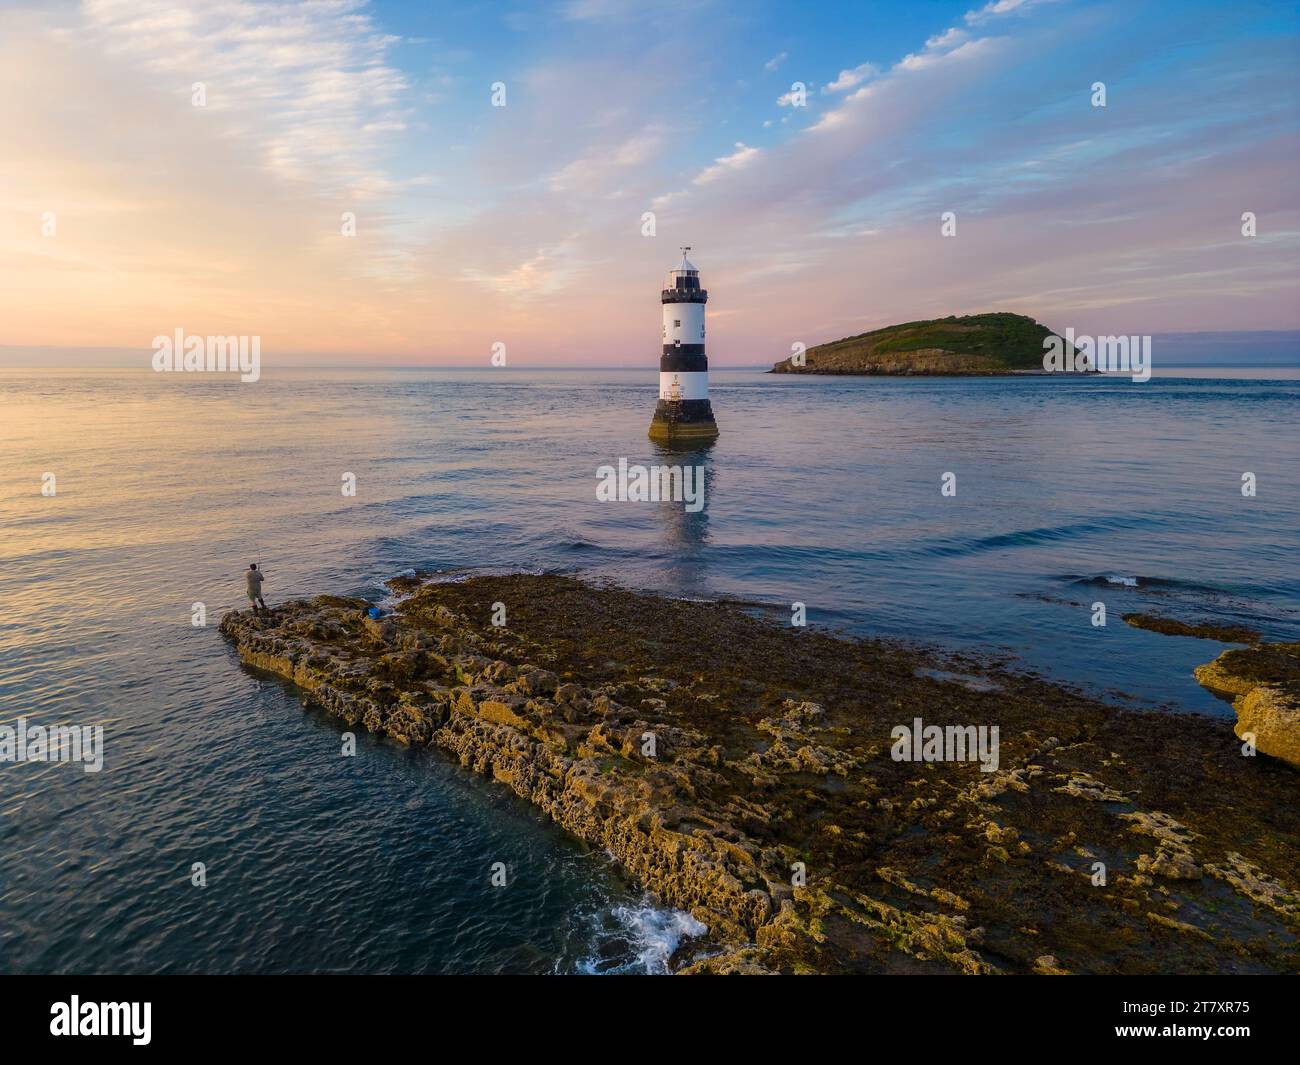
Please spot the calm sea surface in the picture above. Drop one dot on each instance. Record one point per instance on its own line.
(821, 491)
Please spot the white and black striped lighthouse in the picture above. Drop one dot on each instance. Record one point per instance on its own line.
(683, 413)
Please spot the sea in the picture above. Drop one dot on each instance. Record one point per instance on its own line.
(227, 832)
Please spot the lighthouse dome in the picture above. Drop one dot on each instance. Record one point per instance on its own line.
(683, 276)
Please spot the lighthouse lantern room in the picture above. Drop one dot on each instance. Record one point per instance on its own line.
(683, 413)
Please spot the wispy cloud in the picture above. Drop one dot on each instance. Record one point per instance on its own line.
(310, 84)
(742, 157)
(541, 274)
(848, 79)
(610, 163)
(998, 7)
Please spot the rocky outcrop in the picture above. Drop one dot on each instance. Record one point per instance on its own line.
(742, 771)
(1203, 630)
(1264, 685)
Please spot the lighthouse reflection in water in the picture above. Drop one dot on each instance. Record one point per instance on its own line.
(685, 531)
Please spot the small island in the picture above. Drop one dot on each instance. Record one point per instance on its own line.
(971, 345)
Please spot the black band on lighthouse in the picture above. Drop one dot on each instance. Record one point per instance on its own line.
(684, 412)
(689, 358)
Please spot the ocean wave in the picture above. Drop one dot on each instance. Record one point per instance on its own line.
(637, 940)
(1048, 534)
(1169, 584)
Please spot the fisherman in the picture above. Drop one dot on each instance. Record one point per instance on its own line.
(253, 578)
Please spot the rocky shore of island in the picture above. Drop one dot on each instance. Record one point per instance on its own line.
(753, 775)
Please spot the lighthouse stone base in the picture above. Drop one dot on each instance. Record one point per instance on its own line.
(683, 421)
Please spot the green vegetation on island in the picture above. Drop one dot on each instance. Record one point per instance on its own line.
(972, 344)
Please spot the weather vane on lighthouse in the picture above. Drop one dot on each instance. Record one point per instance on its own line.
(683, 413)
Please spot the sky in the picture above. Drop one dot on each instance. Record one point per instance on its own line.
(127, 211)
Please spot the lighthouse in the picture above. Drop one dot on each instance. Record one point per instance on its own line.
(683, 414)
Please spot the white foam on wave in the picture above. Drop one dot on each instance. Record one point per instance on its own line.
(639, 939)
(1127, 582)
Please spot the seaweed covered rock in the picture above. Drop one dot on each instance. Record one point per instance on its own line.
(1264, 683)
(742, 771)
